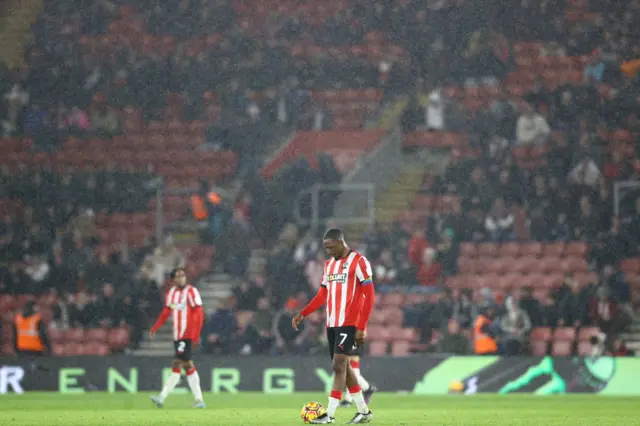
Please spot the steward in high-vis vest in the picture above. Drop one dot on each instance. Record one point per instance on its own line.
(204, 203)
(484, 339)
(30, 332)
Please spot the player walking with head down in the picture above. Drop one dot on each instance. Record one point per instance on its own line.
(184, 305)
(347, 289)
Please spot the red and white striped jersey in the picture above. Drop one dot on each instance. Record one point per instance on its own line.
(344, 279)
(182, 301)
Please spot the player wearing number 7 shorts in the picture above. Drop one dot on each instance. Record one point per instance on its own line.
(184, 305)
(347, 290)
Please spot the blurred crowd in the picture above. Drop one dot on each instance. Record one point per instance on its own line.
(249, 87)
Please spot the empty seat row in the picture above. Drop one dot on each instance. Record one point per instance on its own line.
(513, 249)
(525, 265)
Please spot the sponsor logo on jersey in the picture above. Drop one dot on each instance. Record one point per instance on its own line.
(338, 277)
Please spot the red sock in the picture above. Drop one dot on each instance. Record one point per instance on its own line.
(355, 364)
(336, 394)
(354, 389)
(176, 370)
(191, 371)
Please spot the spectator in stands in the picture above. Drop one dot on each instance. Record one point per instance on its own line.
(586, 173)
(165, 258)
(384, 269)
(573, 302)
(417, 246)
(263, 323)
(98, 273)
(105, 122)
(317, 119)
(551, 309)
(604, 312)
(594, 70)
(38, 270)
(532, 128)
(515, 325)
(314, 269)
(15, 101)
(448, 252)
(108, 309)
(82, 311)
(430, 269)
(219, 331)
(452, 341)
(465, 309)
(500, 223)
(247, 295)
(532, 307)
(236, 245)
(247, 336)
(288, 340)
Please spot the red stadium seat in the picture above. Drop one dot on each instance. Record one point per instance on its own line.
(562, 348)
(585, 348)
(487, 249)
(554, 249)
(400, 348)
(579, 249)
(539, 347)
(392, 299)
(541, 333)
(564, 333)
(468, 250)
(74, 335)
(378, 333)
(531, 249)
(56, 335)
(393, 316)
(378, 348)
(509, 250)
(118, 338)
(96, 335)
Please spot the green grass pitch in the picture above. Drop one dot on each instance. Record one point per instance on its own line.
(258, 409)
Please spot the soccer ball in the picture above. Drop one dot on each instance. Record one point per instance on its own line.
(311, 411)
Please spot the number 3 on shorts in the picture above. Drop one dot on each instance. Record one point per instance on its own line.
(181, 346)
(343, 337)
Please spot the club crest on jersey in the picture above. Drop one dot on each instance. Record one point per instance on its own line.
(342, 278)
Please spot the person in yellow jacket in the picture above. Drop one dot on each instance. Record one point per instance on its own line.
(30, 332)
(484, 337)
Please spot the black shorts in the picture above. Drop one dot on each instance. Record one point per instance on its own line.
(183, 349)
(342, 340)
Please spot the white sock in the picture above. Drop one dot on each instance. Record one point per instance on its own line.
(358, 398)
(194, 384)
(172, 382)
(333, 406)
(362, 382)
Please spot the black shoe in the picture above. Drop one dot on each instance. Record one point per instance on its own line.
(323, 420)
(369, 393)
(360, 418)
(345, 403)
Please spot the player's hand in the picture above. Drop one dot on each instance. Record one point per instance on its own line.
(151, 334)
(360, 335)
(296, 320)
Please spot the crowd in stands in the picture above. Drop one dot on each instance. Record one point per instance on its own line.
(247, 87)
(565, 195)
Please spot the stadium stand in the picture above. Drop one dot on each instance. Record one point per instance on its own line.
(538, 112)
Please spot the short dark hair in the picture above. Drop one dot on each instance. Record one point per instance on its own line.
(175, 271)
(333, 234)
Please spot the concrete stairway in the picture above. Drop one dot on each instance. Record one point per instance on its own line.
(15, 31)
(397, 197)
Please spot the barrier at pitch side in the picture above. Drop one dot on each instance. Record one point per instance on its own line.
(424, 375)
